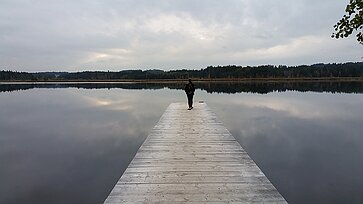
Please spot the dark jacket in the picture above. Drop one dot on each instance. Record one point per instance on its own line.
(189, 89)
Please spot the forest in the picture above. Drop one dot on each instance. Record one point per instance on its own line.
(229, 72)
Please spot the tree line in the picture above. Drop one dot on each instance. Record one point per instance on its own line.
(211, 72)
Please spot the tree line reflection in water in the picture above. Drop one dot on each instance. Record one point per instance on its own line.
(210, 87)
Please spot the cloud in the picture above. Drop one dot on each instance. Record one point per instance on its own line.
(113, 35)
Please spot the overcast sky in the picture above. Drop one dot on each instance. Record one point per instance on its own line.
(76, 35)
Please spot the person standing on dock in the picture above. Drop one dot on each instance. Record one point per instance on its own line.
(189, 90)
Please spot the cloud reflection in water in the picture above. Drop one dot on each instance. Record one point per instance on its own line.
(308, 144)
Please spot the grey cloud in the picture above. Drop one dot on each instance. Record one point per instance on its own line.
(77, 35)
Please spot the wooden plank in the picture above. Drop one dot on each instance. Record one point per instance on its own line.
(191, 157)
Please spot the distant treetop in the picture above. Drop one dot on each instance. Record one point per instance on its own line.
(211, 72)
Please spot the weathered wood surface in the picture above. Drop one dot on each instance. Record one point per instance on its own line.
(191, 157)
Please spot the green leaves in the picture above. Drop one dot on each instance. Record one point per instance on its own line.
(350, 22)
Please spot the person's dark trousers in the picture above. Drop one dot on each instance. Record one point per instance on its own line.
(190, 100)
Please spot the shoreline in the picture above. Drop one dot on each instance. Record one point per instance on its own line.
(218, 80)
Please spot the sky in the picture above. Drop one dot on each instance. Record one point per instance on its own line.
(78, 35)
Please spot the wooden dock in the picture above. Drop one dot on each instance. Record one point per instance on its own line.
(191, 157)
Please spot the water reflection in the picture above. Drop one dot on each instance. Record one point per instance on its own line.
(210, 87)
(309, 145)
(70, 145)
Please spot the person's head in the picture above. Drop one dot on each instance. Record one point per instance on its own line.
(190, 80)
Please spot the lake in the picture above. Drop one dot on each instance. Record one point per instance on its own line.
(70, 142)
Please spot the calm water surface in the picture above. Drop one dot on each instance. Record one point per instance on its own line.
(67, 144)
